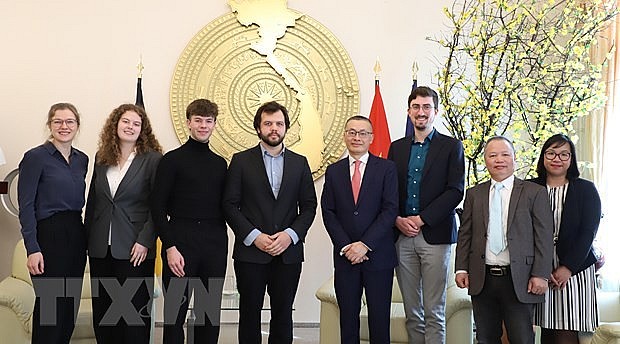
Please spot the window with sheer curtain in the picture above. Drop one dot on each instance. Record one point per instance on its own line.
(609, 232)
(598, 147)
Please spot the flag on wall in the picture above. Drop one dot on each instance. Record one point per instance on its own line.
(381, 142)
(139, 97)
(409, 127)
(140, 103)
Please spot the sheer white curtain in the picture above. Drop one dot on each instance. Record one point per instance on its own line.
(598, 146)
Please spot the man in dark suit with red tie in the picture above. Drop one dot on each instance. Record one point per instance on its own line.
(360, 204)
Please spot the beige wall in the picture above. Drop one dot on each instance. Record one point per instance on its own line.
(85, 52)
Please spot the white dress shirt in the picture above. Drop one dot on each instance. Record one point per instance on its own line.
(503, 258)
(364, 162)
(115, 175)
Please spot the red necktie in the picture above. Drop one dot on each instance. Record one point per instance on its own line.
(356, 181)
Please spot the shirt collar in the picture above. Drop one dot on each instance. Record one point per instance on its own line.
(507, 183)
(429, 137)
(51, 149)
(363, 159)
(265, 152)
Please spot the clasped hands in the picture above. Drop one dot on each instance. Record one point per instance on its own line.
(410, 225)
(273, 244)
(559, 277)
(355, 252)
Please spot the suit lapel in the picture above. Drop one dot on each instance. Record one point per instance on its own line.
(286, 176)
(403, 164)
(517, 187)
(486, 186)
(132, 172)
(262, 174)
(102, 179)
(433, 150)
(368, 175)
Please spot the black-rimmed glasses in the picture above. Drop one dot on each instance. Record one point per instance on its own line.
(564, 156)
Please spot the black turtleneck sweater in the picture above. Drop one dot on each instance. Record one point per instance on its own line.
(189, 185)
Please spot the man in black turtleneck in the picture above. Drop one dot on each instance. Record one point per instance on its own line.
(187, 211)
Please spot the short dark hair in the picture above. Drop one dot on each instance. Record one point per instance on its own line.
(424, 91)
(358, 118)
(202, 108)
(271, 107)
(556, 141)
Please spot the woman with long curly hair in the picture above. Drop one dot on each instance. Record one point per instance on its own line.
(120, 232)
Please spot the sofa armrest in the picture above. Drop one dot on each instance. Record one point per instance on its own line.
(456, 299)
(607, 333)
(330, 313)
(459, 317)
(327, 293)
(18, 296)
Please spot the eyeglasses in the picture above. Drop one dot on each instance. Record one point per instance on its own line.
(58, 122)
(362, 133)
(425, 107)
(564, 156)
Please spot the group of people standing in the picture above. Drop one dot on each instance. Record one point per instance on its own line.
(524, 248)
(518, 241)
(185, 197)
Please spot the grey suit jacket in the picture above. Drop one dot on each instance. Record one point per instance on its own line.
(529, 237)
(128, 211)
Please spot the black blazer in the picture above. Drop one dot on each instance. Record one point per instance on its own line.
(370, 220)
(128, 211)
(581, 215)
(249, 203)
(441, 188)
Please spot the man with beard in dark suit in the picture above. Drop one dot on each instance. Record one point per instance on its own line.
(270, 203)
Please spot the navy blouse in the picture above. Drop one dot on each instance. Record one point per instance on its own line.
(48, 184)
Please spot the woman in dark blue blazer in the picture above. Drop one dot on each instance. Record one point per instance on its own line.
(570, 304)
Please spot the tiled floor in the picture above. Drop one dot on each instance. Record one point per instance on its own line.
(228, 334)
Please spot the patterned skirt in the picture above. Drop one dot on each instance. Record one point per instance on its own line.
(572, 308)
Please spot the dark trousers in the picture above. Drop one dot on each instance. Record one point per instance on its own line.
(122, 300)
(281, 281)
(349, 284)
(204, 247)
(58, 290)
(496, 303)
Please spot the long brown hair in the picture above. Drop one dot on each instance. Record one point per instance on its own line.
(108, 149)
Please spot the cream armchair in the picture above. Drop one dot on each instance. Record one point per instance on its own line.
(608, 331)
(459, 319)
(609, 310)
(17, 302)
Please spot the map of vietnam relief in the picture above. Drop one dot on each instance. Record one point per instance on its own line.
(273, 17)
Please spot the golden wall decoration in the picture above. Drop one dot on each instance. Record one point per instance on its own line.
(264, 51)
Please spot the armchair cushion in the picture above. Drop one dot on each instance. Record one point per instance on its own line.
(608, 333)
(18, 296)
(459, 321)
(17, 303)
